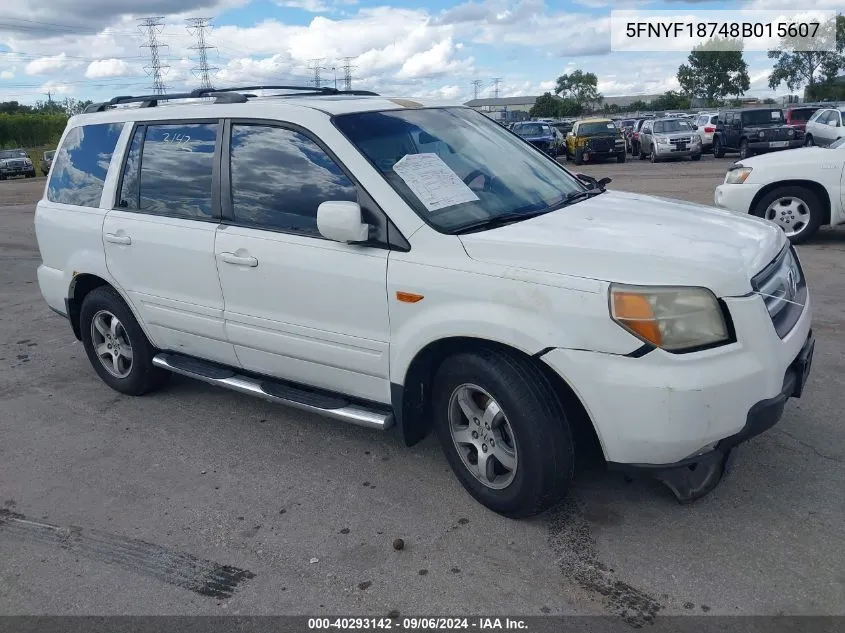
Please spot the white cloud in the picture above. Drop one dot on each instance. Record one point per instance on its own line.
(436, 61)
(55, 87)
(547, 86)
(314, 6)
(8, 74)
(46, 65)
(108, 68)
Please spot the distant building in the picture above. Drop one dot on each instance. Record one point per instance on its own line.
(625, 101)
(504, 108)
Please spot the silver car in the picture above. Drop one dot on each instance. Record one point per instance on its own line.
(662, 139)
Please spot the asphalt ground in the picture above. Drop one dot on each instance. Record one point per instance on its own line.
(194, 500)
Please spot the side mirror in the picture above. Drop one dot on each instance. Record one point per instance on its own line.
(604, 182)
(340, 220)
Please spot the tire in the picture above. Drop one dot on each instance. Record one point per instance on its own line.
(642, 154)
(579, 157)
(538, 430)
(620, 158)
(718, 148)
(696, 157)
(744, 152)
(806, 197)
(653, 156)
(808, 141)
(135, 376)
(635, 149)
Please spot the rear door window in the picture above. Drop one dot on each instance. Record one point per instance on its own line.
(82, 163)
(169, 170)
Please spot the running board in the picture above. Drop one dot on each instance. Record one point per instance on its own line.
(327, 405)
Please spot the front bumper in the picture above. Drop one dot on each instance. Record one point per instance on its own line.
(659, 409)
(669, 151)
(736, 197)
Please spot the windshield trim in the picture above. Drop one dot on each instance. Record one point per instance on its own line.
(443, 231)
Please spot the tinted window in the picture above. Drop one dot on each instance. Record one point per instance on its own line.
(596, 129)
(762, 117)
(802, 114)
(280, 177)
(81, 164)
(176, 166)
(129, 192)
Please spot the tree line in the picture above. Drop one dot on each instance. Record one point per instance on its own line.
(38, 125)
(714, 71)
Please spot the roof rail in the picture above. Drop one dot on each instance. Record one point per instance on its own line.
(222, 95)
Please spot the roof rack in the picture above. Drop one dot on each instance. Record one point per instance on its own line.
(222, 95)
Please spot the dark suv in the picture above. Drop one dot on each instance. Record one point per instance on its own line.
(15, 162)
(752, 131)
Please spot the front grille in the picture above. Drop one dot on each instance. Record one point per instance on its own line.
(784, 290)
(601, 144)
(777, 134)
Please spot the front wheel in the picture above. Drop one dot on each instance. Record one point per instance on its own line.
(696, 157)
(808, 141)
(503, 431)
(116, 345)
(579, 157)
(653, 156)
(796, 210)
(718, 148)
(744, 152)
(620, 158)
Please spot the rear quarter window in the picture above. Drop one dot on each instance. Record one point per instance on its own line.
(81, 164)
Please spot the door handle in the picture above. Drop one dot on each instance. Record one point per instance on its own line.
(238, 260)
(118, 239)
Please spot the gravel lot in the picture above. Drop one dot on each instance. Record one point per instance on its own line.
(200, 501)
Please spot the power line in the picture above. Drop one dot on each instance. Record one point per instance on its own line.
(496, 82)
(198, 26)
(152, 26)
(476, 88)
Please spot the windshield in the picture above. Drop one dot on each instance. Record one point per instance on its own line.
(455, 167)
(762, 117)
(533, 129)
(13, 153)
(673, 125)
(596, 129)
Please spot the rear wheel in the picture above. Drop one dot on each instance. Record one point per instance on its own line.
(796, 210)
(116, 345)
(503, 431)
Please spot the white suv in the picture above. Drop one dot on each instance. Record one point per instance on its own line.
(384, 262)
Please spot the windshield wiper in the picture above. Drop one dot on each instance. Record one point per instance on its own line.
(517, 216)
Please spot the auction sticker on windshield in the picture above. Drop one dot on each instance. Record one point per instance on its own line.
(433, 181)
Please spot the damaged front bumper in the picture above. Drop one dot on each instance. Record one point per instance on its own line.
(694, 477)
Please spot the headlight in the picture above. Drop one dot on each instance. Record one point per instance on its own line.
(761, 134)
(737, 176)
(791, 133)
(662, 140)
(674, 318)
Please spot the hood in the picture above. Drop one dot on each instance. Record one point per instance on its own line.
(637, 239)
(814, 156)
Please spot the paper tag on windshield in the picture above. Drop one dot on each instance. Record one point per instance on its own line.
(432, 181)
(775, 114)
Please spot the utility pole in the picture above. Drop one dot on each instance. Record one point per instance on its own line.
(348, 67)
(476, 88)
(198, 27)
(152, 27)
(496, 82)
(315, 66)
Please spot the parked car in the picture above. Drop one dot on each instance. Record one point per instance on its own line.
(634, 137)
(664, 139)
(825, 126)
(592, 139)
(413, 265)
(753, 131)
(797, 116)
(541, 135)
(15, 162)
(705, 124)
(799, 191)
(47, 161)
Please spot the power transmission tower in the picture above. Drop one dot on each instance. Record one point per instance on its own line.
(347, 72)
(198, 27)
(151, 27)
(315, 66)
(476, 88)
(496, 82)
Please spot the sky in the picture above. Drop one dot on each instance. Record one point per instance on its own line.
(92, 49)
